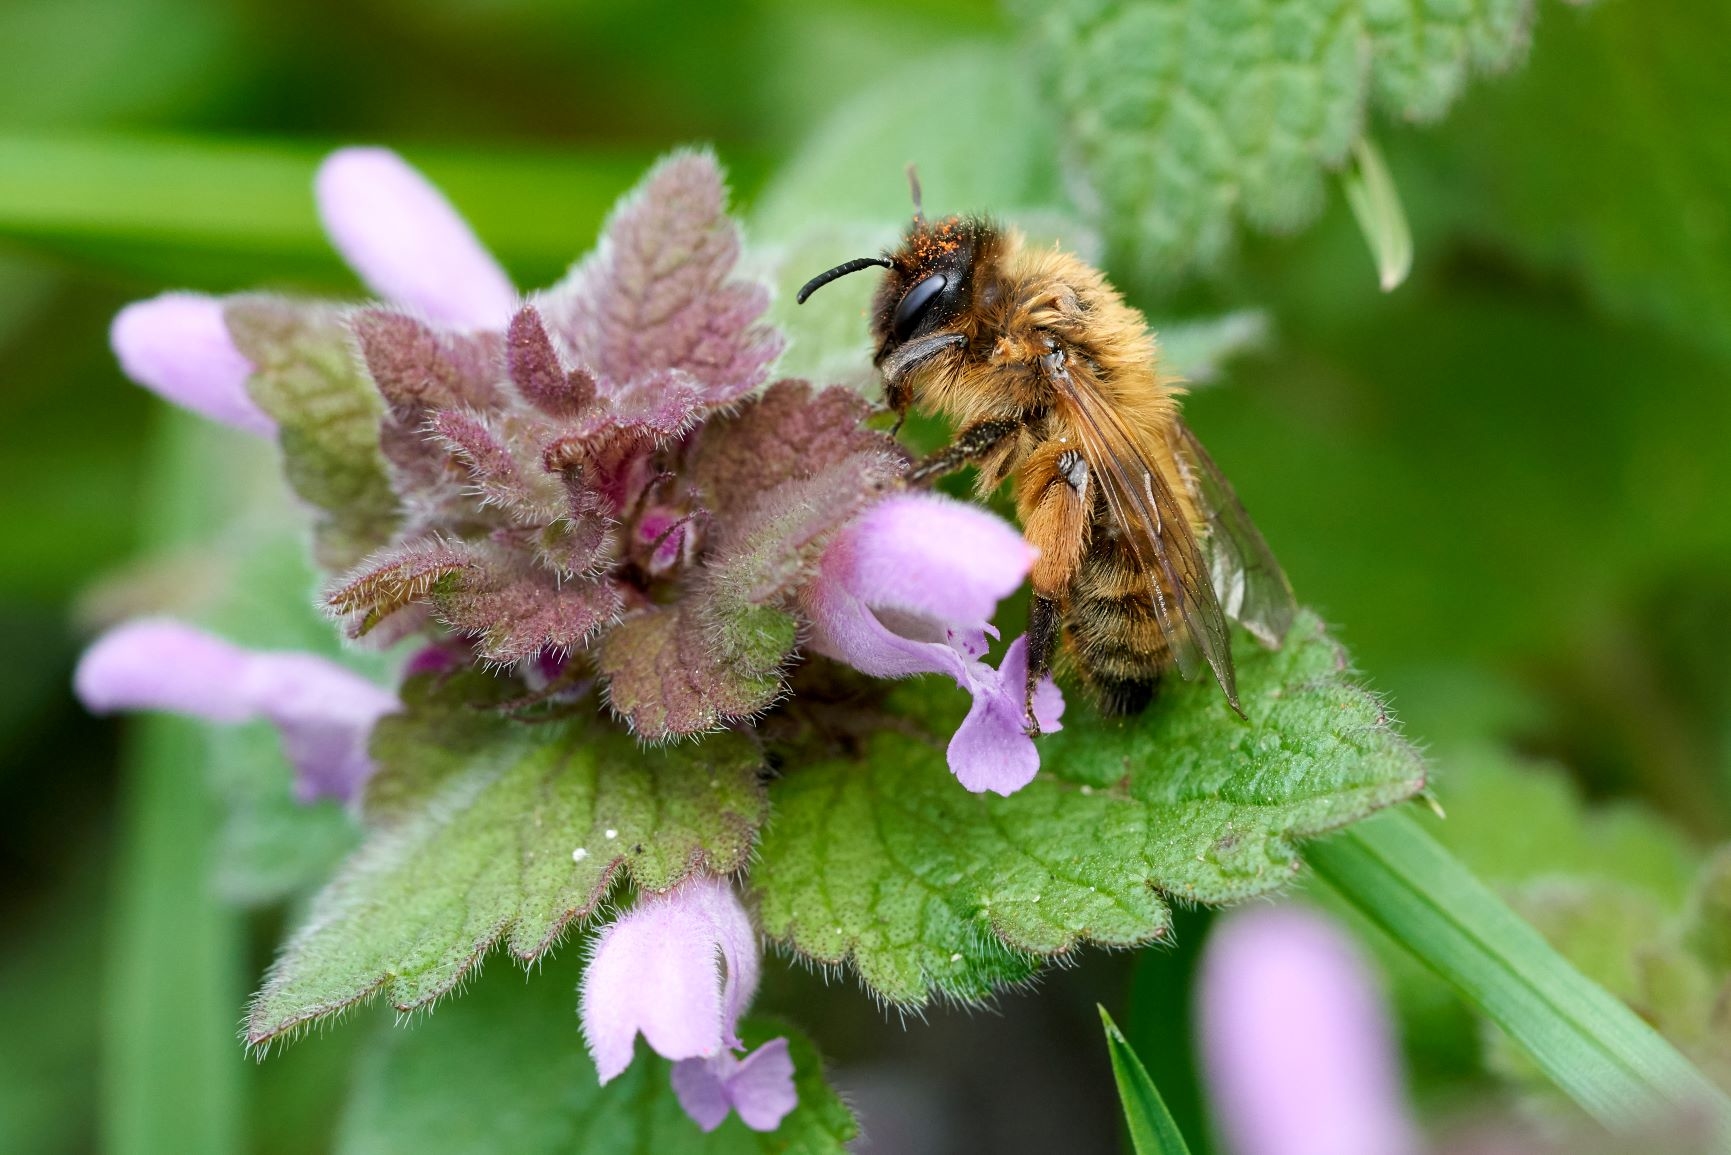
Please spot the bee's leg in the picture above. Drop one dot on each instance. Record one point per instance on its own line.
(1052, 495)
(1045, 623)
(970, 444)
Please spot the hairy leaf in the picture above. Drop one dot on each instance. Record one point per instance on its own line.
(1189, 114)
(393, 579)
(327, 416)
(659, 292)
(666, 681)
(501, 458)
(927, 888)
(536, 372)
(776, 479)
(768, 549)
(505, 1070)
(787, 432)
(486, 829)
(514, 611)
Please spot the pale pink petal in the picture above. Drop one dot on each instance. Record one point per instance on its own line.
(991, 749)
(907, 586)
(931, 556)
(701, 1090)
(679, 968)
(761, 1086)
(407, 243)
(324, 713)
(1296, 1042)
(157, 664)
(177, 345)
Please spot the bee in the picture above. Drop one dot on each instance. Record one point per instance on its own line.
(1052, 380)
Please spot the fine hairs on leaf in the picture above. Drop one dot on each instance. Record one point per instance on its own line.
(1187, 115)
(931, 891)
(486, 830)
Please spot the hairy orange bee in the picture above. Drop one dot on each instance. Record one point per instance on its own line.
(1051, 379)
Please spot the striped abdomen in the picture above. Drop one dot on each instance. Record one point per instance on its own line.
(1114, 639)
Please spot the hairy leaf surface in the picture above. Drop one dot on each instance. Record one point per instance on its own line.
(926, 888)
(327, 413)
(484, 829)
(1190, 114)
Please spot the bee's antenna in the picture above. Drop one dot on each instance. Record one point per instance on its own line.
(841, 270)
(914, 187)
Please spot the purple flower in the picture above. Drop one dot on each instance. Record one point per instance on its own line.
(394, 229)
(323, 712)
(407, 243)
(178, 346)
(908, 587)
(1295, 1041)
(680, 968)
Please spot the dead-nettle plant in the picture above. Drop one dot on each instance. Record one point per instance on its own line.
(645, 596)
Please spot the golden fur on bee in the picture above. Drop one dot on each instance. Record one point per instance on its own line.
(1052, 381)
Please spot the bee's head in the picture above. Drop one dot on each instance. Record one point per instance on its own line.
(918, 309)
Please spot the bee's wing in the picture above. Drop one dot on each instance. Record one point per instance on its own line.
(1247, 579)
(1153, 524)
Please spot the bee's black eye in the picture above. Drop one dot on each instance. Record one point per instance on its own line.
(914, 303)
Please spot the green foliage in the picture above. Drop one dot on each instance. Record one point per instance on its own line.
(1613, 888)
(1559, 835)
(505, 1070)
(1188, 114)
(327, 413)
(484, 828)
(926, 888)
(1624, 190)
(1595, 1049)
(1152, 1131)
(1376, 203)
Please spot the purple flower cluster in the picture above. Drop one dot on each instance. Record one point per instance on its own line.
(597, 480)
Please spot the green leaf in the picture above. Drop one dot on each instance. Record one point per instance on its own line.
(327, 413)
(1375, 202)
(1152, 1131)
(1190, 114)
(487, 828)
(505, 1070)
(1709, 923)
(889, 863)
(1594, 1048)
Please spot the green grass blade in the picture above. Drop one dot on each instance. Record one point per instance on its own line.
(1375, 201)
(224, 209)
(1152, 1131)
(1588, 1043)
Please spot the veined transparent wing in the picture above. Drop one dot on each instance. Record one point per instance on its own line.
(1249, 582)
(1145, 510)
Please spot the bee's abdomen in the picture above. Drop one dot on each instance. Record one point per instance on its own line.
(1114, 639)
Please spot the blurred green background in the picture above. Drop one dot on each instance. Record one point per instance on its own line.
(1507, 483)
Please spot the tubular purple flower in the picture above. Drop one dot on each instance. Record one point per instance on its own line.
(680, 968)
(1296, 1043)
(177, 345)
(323, 712)
(407, 243)
(908, 587)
